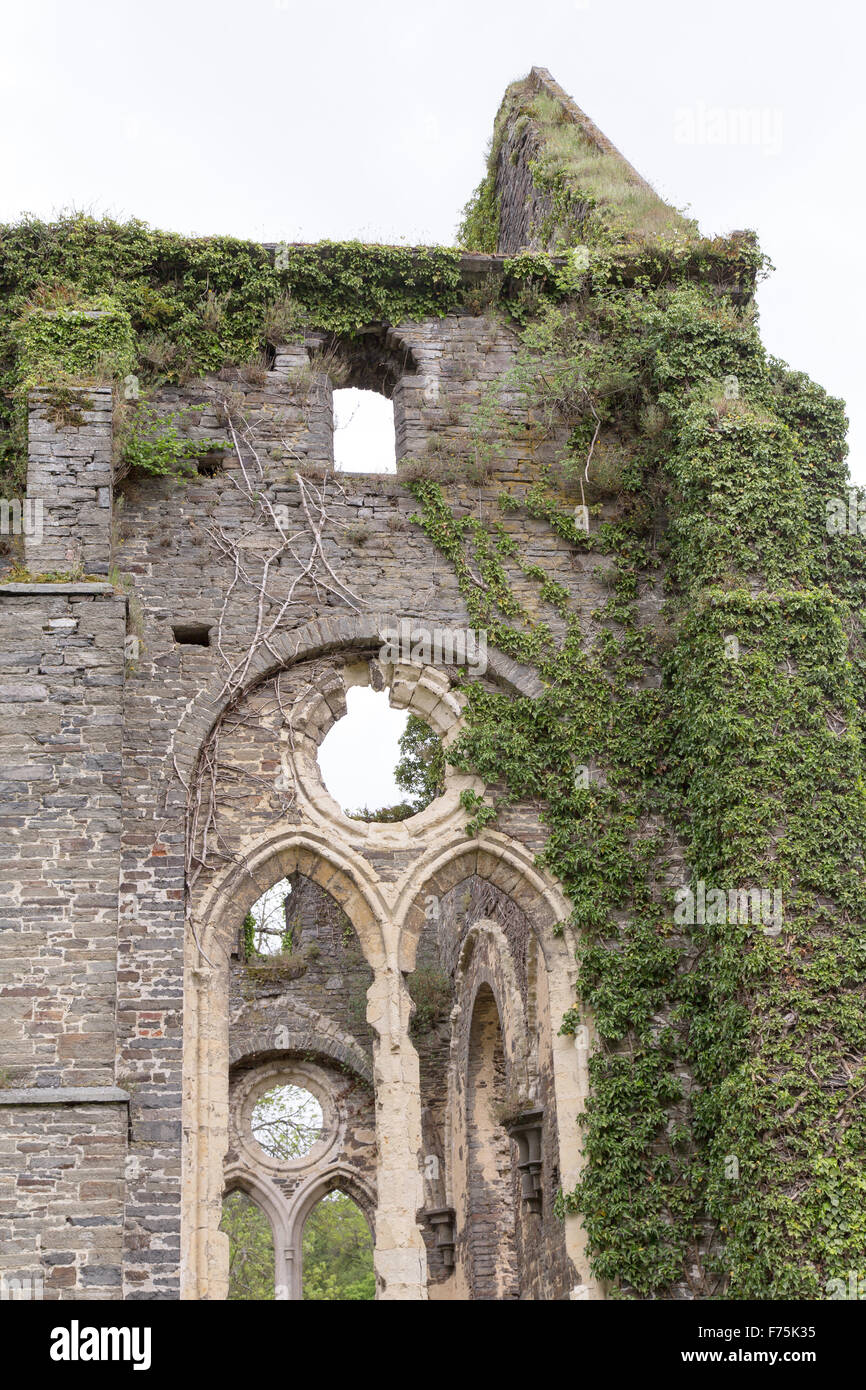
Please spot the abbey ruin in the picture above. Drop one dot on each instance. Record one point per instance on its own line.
(639, 896)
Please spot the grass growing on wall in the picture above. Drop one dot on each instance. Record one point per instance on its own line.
(594, 197)
(172, 308)
(726, 1123)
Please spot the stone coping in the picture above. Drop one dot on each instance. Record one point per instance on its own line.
(11, 589)
(64, 1095)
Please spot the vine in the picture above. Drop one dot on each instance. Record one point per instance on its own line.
(726, 1110)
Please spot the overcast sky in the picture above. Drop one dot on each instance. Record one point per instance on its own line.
(277, 119)
(358, 755)
(280, 120)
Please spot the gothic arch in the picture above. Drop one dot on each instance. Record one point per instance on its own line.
(339, 1177)
(500, 861)
(267, 1199)
(486, 938)
(488, 1229)
(346, 876)
(206, 1029)
(511, 868)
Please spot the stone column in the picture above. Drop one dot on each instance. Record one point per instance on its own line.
(69, 481)
(400, 1256)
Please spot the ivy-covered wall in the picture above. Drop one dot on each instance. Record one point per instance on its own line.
(695, 754)
(726, 1129)
(93, 300)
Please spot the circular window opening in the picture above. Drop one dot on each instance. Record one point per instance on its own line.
(381, 764)
(287, 1122)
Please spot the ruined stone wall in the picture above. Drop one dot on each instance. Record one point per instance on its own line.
(188, 550)
(70, 471)
(525, 208)
(161, 735)
(62, 1116)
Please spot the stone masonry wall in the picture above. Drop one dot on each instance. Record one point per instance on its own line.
(61, 1176)
(177, 544)
(70, 473)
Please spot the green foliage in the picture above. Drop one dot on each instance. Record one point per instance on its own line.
(384, 815)
(249, 936)
(432, 995)
(251, 1249)
(83, 340)
(338, 1252)
(153, 443)
(420, 771)
(173, 307)
(286, 1122)
(479, 222)
(754, 763)
(345, 286)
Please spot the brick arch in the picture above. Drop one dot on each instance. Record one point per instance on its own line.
(376, 360)
(499, 860)
(341, 632)
(283, 1041)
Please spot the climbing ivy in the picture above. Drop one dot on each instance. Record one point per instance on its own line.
(720, 738)
(716, 742)
(84, 299)
(153, 443)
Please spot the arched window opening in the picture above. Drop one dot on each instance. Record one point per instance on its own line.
(379, 763)
(338, 1252)
(251, 1249)
(286, 1122)
(492, 1248)
(270, 926)
(364, 433)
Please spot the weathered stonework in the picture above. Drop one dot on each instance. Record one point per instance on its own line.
(94, 992)
(160, 737)
(70, 471)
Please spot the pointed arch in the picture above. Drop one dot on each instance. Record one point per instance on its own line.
(340, 1177)
(502, 862)
(267, 1200)
(346, 876)
(206, 1022)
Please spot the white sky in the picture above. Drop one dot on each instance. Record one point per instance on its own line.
(358, 755)
(364, 440)
(283, 120)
